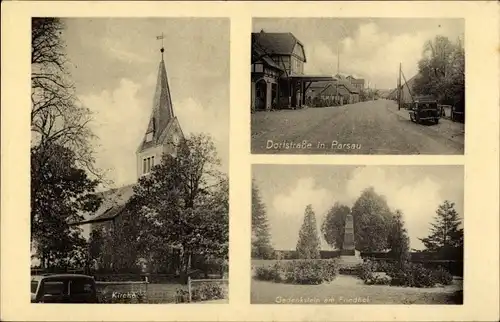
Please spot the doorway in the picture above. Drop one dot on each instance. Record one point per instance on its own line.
(260, 95)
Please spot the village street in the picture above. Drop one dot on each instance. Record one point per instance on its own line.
(372, 127)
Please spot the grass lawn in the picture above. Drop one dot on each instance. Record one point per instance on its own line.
(349, 290)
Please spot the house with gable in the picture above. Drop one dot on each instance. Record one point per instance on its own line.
(277, 72)
(356, 82)
(330, 93)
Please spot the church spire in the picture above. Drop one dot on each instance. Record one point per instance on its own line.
(162, 112)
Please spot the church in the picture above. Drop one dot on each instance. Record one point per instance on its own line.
(162, 135)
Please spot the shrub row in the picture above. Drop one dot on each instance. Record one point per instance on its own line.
(203, 292)
(299, 271)
(408, 274)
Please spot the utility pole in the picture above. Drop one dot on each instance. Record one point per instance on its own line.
(338, 73)
(399, 87)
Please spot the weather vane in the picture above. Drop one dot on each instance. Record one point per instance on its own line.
(162, 49)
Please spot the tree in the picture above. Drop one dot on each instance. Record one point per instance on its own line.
(372, 218)
(398, 241)
(56, 115)
(333, 226)
(61, 194)
(60, 150)
(261, 237)
(446, 237)
(308, 245)
(185, 203)
(442, 72)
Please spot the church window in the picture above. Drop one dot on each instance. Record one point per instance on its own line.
(148, 164)
(149, 137)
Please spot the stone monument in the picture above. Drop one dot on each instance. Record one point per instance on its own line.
(348, 254)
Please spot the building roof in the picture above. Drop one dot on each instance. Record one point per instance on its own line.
(320, 84)
(348, 88)
(312, 78)
(357, 81)
(330, 89)
(113, 202)
(276, 43)
(163, 112)
(259, 54)
(405, 93)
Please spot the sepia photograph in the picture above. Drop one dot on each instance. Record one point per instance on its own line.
(129, 160)
(324, 234)
(358, 86)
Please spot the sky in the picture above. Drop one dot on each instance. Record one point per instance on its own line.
(114, 65)
(370, 48)
(417, 191)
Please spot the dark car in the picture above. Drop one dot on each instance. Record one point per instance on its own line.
(63, 288)
(424, 109)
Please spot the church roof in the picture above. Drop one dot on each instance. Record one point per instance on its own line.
(113, 202)
(163, 112)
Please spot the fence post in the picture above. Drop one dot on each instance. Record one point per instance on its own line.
(189, 289)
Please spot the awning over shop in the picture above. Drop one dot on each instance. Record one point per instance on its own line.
(311, 78)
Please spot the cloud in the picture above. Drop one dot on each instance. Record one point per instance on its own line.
(195, 117)
(371, 53)
(116, 50)
(291, 205)
(417, 199)
(119, 122)
(120, 119)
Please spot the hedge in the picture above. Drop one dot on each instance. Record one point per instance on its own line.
(203, 292)
(314, 271)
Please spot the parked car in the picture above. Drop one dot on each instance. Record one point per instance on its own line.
(63, 288)
(424, 109)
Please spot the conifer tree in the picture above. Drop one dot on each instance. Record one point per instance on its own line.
(446, 237)
(308, 245)
(261, 237)
(398, 240)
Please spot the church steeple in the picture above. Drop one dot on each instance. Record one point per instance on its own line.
(163, 132)
(163, 111)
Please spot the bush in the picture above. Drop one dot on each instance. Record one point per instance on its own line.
(408, 274)
(203, 292)
(299, 271)
(208, 291)
(270, 273)
(304, 272)
(181, 296)
(414, 275)
(442, 276)
(378, 279)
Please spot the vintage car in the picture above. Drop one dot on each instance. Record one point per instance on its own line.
(424, 109)
(63, 288)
